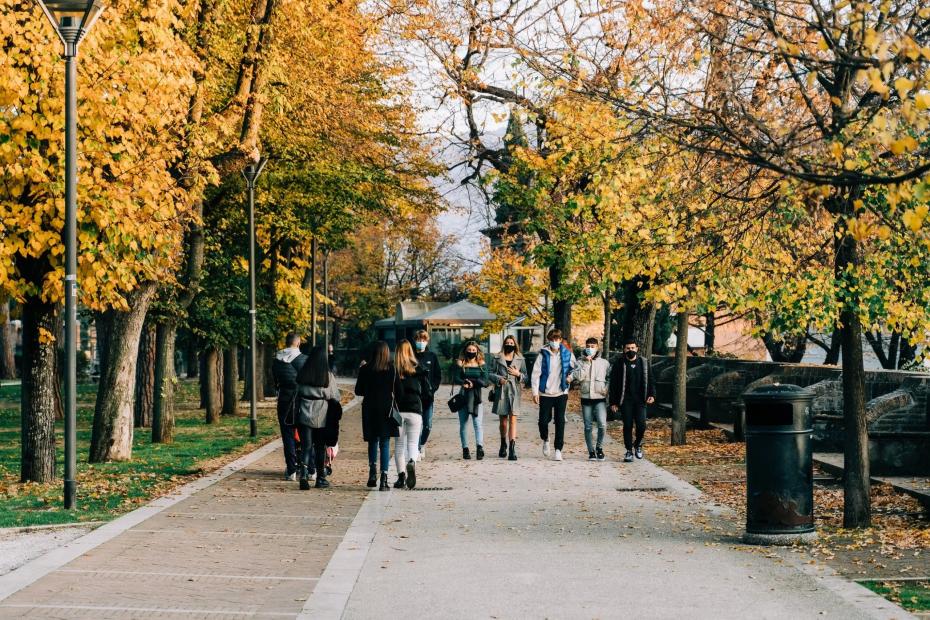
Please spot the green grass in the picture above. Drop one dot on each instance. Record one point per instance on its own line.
(106, 490)
(911, 595)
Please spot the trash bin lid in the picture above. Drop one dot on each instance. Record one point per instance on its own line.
(784, 392)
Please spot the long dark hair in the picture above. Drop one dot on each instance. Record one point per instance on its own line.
(380, 357)
(315, 372)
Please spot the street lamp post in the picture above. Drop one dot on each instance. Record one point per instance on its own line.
(251, 173)
(72, 20)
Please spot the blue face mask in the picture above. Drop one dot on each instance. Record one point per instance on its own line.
(590, 352)
(554, 344)
(420, 345)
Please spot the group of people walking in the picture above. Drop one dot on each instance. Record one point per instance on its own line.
(398, 401)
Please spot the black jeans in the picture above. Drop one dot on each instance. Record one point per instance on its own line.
(287, 439)
(633, 412)
(313, 449)
(549, 405)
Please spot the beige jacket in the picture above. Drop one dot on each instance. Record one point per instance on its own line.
(593, 377)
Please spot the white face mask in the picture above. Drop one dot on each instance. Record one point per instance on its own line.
(554, 345)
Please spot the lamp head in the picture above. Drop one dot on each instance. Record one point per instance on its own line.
(71, 19)
(253, 170)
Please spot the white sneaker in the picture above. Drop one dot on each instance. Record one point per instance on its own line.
(558, 456)
(545, 448)
(291, 477)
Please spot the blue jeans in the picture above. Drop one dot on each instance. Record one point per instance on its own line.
(476, 422)
(427, 423)
(382, 445)
(594, 412)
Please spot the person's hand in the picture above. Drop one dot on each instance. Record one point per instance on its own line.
(467, 385)
(650, 400)
(362, 364)
(614, 408)
(536, 398)
(503, 380)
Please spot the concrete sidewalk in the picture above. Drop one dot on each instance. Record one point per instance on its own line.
(531, 539)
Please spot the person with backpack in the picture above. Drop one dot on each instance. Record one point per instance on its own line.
(287, 363)
(470, 373)
(510, 367)
(632, 387)
(552, 374)
(316, 386)
(593, 375)
(411, 388)
(428, 361)
(375, 384)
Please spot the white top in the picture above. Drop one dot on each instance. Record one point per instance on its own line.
(553, 381)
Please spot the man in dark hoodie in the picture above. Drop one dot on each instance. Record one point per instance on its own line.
(287, 363)
(428, 361)
(632, 387)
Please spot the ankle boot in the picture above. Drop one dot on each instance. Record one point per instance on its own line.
(503, 451)
(304, 478)
(384, 482)
(401, 480)
(466, 454)
(513, 451)
(479, 453)
(372, 476)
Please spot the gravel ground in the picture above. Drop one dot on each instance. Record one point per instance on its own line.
(19, 545)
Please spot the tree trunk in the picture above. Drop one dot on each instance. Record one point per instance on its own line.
(163, 402)
(856, 490)
(789, 350)
(265, 362)
(145, 376)
(709, 324)
(833, 354)
(212, 378)
(230, 380)
(203, 380)
(679, 395)
(561, 309)
(37, 398)
(605, 343)
(7, 343)
(191, 359)
(644, 328)
(907, 352)
(111, 439)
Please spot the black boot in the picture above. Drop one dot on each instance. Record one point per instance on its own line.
(304, 478)
(401, 480)
(513, 451)
(466, 454)
(479, 453)
(384, 482)
(321, 482)
(372, 476)
(503, 451)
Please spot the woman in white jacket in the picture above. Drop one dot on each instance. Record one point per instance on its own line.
(592, 374)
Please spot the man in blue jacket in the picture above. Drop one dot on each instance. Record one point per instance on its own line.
(551, 376)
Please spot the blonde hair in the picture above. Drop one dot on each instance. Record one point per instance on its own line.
(478, 358)
(405, 360)
(516, 345)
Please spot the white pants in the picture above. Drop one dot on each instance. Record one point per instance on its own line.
(406, 446)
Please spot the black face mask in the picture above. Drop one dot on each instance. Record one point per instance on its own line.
(631, 355)
(470, 355)
(509, 348)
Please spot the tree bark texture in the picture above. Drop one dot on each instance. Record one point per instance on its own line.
(163, 398)
(145, 376)
(230, 380)
(709, 336)
(37, 399)
(212, 378)
(789, 350)
(111, 438)
(561, 309)
(679, 394)
(7, 343)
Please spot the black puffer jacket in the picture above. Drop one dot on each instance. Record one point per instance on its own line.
(285, 379)
(414, 390)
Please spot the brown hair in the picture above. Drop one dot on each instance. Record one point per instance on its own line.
(516, 345)
(421, 334)
(479, 358)
(381, 357)
(554, 333)
(405, 360)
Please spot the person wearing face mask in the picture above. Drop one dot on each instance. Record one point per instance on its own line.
(428, 361)
(592, 376)
(509, 366)
(552, 374)
(632, 387)
(470, 373)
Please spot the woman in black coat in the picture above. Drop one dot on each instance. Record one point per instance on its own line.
(377, 383)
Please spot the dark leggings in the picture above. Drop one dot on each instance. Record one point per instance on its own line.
(315, 437)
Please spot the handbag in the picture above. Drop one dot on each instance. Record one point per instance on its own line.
(395, 412)
(456, 402)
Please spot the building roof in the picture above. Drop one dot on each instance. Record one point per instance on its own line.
(410, 310)
(460, 311)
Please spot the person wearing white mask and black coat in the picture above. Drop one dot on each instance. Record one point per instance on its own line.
(632, 387)
(428, 361)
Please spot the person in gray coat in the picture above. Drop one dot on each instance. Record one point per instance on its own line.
(511, 370)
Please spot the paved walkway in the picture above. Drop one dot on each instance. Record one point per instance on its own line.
(531, 539)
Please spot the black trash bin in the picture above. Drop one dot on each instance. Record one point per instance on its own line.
(779, 465)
